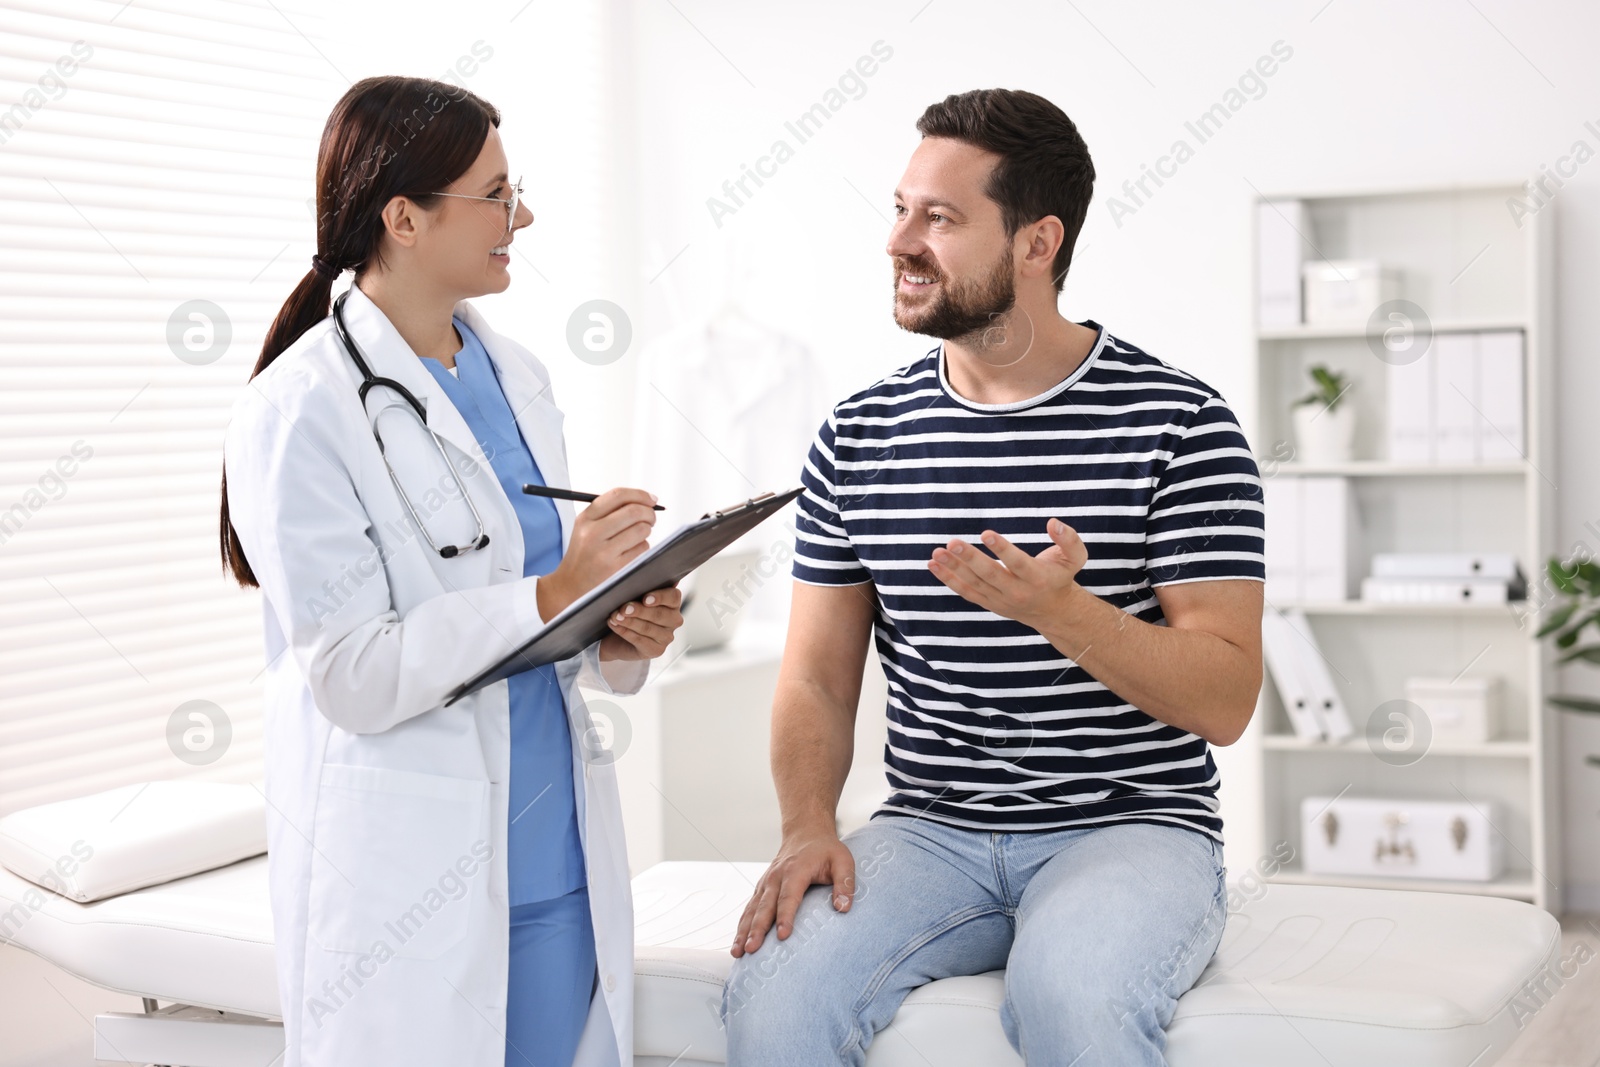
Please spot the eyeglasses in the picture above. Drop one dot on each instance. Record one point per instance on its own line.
(511, 204)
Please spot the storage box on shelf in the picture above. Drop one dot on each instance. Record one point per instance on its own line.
(1421, 839)
(1452, 395)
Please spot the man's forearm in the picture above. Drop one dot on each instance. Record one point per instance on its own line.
(1190, 679)
(812, 745)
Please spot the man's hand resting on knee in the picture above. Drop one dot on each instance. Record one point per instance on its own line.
(813, 737)
(804, 860)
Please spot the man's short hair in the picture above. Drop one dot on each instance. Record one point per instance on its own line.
(1044, 166)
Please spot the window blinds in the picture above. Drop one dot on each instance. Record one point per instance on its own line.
(156, 169)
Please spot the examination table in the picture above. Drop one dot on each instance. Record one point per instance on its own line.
(1304, 974)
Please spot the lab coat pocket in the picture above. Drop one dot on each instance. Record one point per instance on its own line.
(397, 860)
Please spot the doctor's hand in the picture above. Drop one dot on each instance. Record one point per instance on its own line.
(642, 629)
(804, 859)
(1013, 584)
(607, 534)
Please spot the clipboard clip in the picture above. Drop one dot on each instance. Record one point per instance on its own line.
(720, 512)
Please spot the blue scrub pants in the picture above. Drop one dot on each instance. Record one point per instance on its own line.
(551, 981)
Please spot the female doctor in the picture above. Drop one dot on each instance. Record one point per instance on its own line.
(449, 884)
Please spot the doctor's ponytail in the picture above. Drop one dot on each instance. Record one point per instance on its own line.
(386, 137)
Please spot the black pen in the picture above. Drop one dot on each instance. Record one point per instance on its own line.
(564, 494)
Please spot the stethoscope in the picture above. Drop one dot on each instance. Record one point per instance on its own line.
(368, 380)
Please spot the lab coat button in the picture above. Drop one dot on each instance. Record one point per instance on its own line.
(611, 983)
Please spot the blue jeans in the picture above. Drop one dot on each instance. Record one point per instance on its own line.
(1100, 930)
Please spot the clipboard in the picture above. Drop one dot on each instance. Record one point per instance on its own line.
(584, 620)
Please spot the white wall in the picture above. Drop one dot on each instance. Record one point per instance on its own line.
(1374, 95)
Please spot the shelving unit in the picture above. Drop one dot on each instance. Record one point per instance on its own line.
(1471, 268)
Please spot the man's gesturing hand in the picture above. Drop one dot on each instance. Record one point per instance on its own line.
(802, 862)
(1016, 585)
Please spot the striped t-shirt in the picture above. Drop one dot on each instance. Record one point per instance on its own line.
(990, 726)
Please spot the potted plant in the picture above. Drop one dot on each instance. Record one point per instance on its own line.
(1324, 425)
(1578, 585)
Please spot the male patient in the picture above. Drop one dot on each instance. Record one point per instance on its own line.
(1054, 540)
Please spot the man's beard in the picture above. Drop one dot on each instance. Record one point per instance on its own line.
(958, 310)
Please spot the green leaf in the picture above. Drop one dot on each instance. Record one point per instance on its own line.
(1558, 618)
(1331, 385)
(1592, 618)
(1593, 761)
(1561, 576)
(1573, 630)
(1588, 654)
(1589, 575)
(1585, 704)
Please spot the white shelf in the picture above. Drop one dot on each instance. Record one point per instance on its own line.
(1358, 331)
(1368, 607)
(1516, 885)
(1508, 749)
(1377, 468)
(1464, 261)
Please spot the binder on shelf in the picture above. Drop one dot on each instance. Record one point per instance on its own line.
(1455, 394)
(1329, 536)
(1500, 397)
(1280, 500)
(1454, 567)
(1446, 565)
(1436, 590)
(1410, 412)
(1313, 538)
(1326, 704)
(1278, 641)
(1461, 402)
(1279, 252)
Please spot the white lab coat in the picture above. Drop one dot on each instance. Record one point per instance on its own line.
(387, 812)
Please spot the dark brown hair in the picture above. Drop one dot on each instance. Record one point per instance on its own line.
(1044, 166)
(386, 137)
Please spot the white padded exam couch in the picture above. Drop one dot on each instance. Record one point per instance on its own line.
(1304, 974)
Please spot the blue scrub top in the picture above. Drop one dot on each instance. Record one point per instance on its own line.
(544, 851)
